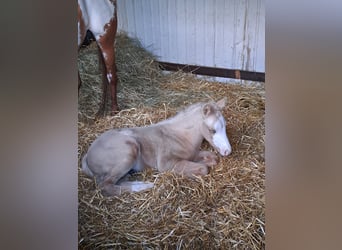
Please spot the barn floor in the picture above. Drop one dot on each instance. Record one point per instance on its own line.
(225, 209)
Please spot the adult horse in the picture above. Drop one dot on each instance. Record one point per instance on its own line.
(170, 145)
(100, 18)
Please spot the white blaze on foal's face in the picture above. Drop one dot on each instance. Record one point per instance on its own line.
(216, 128)
(219, 138)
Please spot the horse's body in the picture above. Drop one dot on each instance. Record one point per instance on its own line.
(100, 18)
(172, 144)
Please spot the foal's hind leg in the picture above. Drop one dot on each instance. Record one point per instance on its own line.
(119, 165)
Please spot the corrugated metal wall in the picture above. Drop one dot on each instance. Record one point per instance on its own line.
(214, 33)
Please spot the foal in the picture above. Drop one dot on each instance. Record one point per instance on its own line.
(172, 145)
(101, 19)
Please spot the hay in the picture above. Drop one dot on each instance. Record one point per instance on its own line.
(138, 77)
(225, 209)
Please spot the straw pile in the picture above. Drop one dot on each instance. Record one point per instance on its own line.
(223, 210)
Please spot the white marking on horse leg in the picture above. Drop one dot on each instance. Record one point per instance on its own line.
(105, 56)
(109, 77)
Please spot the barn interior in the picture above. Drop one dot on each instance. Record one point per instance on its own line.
(225, 209)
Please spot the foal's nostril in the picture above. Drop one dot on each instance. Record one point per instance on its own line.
(227, 152)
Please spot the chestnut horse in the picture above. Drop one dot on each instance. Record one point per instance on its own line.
(100, 18)
(170, 145)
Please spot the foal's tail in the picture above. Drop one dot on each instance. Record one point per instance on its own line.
(85, 167)
(125, 187)
(134, 186)
(122, 186)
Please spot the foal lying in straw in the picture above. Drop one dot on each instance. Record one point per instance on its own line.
(170, 145)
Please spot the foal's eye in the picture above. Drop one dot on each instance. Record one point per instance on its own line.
(213, 131)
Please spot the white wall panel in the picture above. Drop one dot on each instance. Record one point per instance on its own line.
(214, 33)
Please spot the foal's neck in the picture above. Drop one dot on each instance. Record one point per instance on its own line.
(189, 117)
(188, 123)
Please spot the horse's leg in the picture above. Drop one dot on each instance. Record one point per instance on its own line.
(105, 84)
(190, 169)
(208, 158)
(79, 82)
(106, 44)
(81, 34)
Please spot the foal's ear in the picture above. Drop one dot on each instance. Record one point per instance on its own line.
(221, 103)
(207, 109)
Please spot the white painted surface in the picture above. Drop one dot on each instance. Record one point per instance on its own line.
(214, 33)
(92, 20)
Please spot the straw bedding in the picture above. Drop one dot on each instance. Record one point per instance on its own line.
(223, 210)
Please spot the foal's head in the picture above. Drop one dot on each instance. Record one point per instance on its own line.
(214, 127)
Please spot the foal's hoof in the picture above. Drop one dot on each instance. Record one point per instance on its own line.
(211, 160)
(201, 171)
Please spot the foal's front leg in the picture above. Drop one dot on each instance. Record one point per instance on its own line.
(190, 169)
(206, 157)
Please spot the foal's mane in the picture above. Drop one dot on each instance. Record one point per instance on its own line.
(190, 110)
(185, 114)
(188, 113)
(194, 108)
